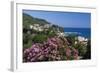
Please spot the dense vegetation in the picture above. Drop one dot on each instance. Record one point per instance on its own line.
(48, 44)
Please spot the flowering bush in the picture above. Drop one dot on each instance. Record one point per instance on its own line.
(54, 49)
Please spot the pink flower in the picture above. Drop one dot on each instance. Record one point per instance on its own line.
(26, 50)
(53, 39)
(75, 56)
(36, 49)
(33, 46)
(68, 52)
(75, 51)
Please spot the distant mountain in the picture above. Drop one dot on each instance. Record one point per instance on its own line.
(38, 30)
(27, 20)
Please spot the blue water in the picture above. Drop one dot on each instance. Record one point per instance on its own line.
(85, 32)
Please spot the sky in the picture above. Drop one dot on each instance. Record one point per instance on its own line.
(63, 19)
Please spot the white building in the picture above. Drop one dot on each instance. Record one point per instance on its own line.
(82, 39)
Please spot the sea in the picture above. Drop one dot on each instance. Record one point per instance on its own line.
(84, 32)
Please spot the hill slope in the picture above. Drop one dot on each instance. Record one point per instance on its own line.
(27, 20)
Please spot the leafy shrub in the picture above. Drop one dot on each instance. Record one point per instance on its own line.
(48, 51)
(39, 38)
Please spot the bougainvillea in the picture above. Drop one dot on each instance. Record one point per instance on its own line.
(50, 50)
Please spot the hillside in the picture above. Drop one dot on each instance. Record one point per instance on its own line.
(37, 30)
(27, 20)
(44, 41)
